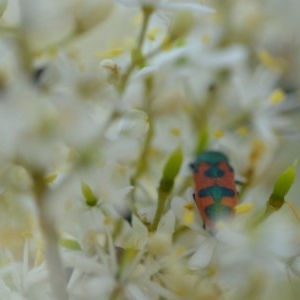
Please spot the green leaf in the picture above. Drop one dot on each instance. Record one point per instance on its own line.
(90, 198)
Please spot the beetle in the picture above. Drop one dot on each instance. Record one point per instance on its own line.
(215, 191)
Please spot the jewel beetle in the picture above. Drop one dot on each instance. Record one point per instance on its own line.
(215, 191)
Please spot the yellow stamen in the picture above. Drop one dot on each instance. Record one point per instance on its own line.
(277, 96)
(294, 210)
(271, 62)
(176, 131)
(258, 148)
(218, 134)
(114, 52)
(243, 131)
(39, 258)
(50, 178)
(153, 33)
(211, 270)
(189, 215)
(206, 38)
(107, 221)
(243, 208)
(51, 52)
(180, 250)
(27, 235)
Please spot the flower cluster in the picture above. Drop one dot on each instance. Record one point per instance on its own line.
(103, 106)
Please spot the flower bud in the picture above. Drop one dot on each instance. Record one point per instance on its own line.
(70, 244)
(90, 198)
(170, 171)
(282, 186)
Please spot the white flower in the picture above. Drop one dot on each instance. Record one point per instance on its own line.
(134, 123)
(31, 130)
(88, 223)
(204, 254)
(48, 23)
(65, 76)
(26, 281)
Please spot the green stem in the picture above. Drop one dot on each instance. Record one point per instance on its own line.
(268, 212)
(141, 167)
(147, 12)
(162, 199)
(53, 259)
(50, 234)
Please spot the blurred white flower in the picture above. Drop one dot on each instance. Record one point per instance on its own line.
(84, 143)
(134, 123)
(49, 23)
(89, 13)
(46, 23)
(268, 251)
(25, 281)
(166, 5)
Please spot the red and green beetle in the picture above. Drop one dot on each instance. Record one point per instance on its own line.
(215, 192)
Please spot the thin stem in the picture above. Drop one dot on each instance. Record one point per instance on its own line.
(162, 198)
(142, 159)
(267, 213)
(147, 12)
(55, 267)
(141, 166)
(53, 259)
(142, 163)
(294, 210)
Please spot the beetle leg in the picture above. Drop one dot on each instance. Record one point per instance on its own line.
(239, 182)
